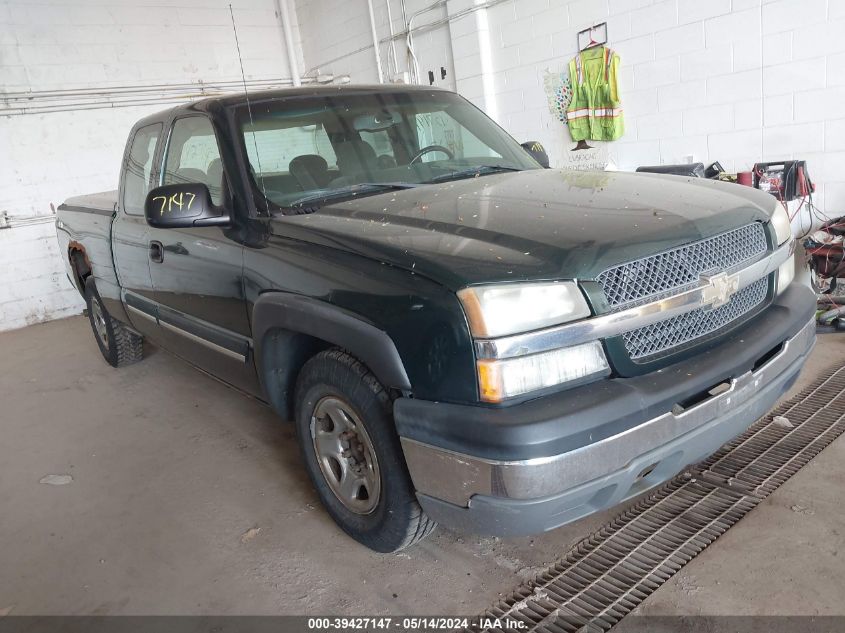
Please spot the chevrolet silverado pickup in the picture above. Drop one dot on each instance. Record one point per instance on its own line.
(459, 334)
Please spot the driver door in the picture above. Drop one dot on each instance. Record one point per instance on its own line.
(197, 272)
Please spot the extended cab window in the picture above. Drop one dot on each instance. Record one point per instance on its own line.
(194, 156)
(136, 176)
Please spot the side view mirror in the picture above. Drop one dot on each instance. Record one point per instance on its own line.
(189, 204)
(537, 152)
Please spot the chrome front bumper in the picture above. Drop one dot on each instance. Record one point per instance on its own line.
(672, 438)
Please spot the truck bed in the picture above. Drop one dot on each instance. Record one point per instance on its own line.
(102, 202)
(83, 223)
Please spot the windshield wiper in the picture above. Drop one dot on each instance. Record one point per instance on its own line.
(392, 185)
(366, 188)
(478, 170)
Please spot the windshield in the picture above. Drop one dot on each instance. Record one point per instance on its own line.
(306, 150)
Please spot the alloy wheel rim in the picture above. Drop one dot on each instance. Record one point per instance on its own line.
(100, 323)
(346, 455)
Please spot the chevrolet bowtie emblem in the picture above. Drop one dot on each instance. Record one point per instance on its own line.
(718, 289)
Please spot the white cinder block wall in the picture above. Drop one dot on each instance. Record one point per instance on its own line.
(739, 81)
(731, 80)
(104, 47)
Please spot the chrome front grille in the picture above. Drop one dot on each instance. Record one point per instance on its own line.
(672, 335)
(681, 268)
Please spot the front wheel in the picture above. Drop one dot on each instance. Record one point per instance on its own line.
(344, 424)
(119, 345)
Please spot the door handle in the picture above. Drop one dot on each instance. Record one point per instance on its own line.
(156, 251)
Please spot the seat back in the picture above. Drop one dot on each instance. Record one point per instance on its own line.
(214, 179)
(356, 158)
(310, 170)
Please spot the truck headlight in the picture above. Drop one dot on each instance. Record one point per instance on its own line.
(786, 274)
(503, 309)
(781, 224)
(505, 378)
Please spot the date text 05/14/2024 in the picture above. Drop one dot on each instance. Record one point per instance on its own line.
(412, 623)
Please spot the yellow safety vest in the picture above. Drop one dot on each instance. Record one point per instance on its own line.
(595, 112)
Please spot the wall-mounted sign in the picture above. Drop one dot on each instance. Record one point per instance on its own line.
(592, 158)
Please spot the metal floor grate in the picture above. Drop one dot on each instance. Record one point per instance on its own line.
(610, 572)
(767, 454)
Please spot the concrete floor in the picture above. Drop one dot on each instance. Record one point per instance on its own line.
(188, 497)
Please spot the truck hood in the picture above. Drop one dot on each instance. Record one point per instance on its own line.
(529, 225)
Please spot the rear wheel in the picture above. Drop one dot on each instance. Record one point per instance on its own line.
(344, 424)
(119, 345)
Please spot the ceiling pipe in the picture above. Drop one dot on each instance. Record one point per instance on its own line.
(283, 10)
(71, 100)
(375, 41)
(392, 41)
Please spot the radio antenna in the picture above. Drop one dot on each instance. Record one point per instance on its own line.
(248, 107)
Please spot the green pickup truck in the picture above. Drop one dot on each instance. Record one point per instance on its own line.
(459, 334)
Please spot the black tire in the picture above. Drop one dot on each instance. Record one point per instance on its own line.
(119, 345)
(397, 520)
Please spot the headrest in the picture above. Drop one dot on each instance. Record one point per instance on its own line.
(215, 171)
(311, 162)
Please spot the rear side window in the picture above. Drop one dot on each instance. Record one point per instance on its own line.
(136, 176)
(194, 156)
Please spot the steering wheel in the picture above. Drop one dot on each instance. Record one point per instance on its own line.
(432, 148)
